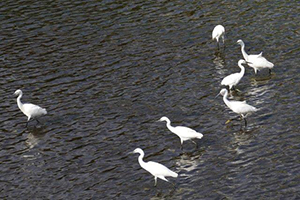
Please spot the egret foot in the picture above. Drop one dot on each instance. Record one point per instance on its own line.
(195, 143)
(237, 90)
(228, 121)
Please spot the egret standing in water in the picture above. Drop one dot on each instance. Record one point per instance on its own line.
(184, 133)
(30, 110)
(239, 107)
(219, 31)
(233, 79)
(156, 169)
(257, 62)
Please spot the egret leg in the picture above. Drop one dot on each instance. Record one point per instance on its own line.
(155, 181)
(270, 71)
(195, 143)
(245, 122)
(26, 124)
(173, 185)
(181, 147)
(223, 42)
(38, 121)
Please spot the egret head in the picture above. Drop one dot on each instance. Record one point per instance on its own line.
(18, 92)
(242, 61)
(138, 150)
(223, 91)
(163, 119)
(240, 42)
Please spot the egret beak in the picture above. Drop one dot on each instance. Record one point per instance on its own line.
(249, 62)
(217, 95)
(131, 152)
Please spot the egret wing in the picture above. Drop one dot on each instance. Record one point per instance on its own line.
(230, 79)
(186, 132)
(34, 109)
(241, 107)
(157, 169)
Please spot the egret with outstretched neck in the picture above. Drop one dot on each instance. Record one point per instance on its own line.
(184, 133)
(156, 169)
(218, 32)
(233, 79)
(30, 110)
(239, 107)
(257, 62)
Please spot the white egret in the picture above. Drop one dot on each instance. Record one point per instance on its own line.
(30, 110)
(219, 31)
(239, 107)
(184, 133)
(233, 79)
(156, 169)
(257, 62)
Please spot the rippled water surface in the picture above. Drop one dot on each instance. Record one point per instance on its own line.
(106, 71)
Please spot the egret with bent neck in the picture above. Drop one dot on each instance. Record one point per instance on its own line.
(184, 133)
(218, 32)
(257, 62)
(239, 107)
(156, 169)
(233, 79)
(30, 110)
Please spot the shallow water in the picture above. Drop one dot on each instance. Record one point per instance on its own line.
(107, 71)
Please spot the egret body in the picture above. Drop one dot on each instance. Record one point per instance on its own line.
(239, 107)
(218, 32)
(184, 133)
(257, 62)
(233, 79)
(156, 169)
(30, 110)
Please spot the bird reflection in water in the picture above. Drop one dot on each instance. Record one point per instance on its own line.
(219, 63)
(188, 163)
(34, 137)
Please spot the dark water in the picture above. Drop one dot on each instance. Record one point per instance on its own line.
(106, 71)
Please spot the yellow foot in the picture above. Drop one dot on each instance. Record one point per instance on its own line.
(228, 121)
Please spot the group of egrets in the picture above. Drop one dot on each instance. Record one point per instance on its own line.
(157, 170)
(257, 62)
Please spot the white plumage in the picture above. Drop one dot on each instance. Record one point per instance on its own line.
(239, 107)
(30, 110)
(184, 133)
(257, 62)
(219, 31)
(233, 79)
(156, 169)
